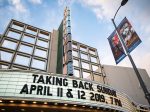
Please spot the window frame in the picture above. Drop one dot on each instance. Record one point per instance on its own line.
(84, 71)
(45, 66)
(28, 36)
(39, 48)
(23, 55)
(26, 45)
(14, 31)
(10, 41)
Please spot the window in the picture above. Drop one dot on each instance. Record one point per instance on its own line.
(38, 64)
(28, 39)
(76, 73)
(14, 35)
(82, 48)
(44, 35)
(25, 49)
(22, 60)
(85, 65)
(18, 27)
(93, 59)
(92, 51)
(9, 44)
(41, 53)
(87, 75)
(6, 56)
(42, 43)
(75, 53)
(31, 30)
(84, 56)
(95, 68)
(98, 78)
(75, 63)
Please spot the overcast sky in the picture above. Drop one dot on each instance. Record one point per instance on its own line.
(90, 20)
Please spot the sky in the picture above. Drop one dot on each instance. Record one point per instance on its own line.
(90, 21)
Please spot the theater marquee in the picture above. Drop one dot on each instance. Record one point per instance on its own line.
(38, 86)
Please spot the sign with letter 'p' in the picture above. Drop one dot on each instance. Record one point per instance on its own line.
(36, 86)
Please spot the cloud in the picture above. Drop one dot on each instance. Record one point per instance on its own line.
(13, 9)
(17, 5)
(139, 16)
(35, 1)
(103, 9)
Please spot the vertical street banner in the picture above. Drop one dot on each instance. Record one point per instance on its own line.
(130, 37)
(116, 47)
(128, 34)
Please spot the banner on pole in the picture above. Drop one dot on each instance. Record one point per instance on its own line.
(130, 37)
(128, 34)
(116, 47)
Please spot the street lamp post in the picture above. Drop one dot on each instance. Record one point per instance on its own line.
(147, 94)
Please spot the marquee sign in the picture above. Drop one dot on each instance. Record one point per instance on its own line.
(35, 86)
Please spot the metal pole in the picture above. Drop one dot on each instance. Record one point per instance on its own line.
(147, 94)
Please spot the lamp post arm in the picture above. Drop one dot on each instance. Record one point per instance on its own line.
(117, 12)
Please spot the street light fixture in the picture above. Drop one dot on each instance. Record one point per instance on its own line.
(124, 2)
(147, 94)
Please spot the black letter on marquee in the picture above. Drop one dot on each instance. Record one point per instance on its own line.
(33, 87)
(48, 79)
(75, 83)
(69, 94)
(99, 88)
(60, 92)
(48, 91)
(59, 81)
(65, 83)
(39, 90)
(41, 79)
(24, 89)
(45, 89)
(82, 95)
(34, 77)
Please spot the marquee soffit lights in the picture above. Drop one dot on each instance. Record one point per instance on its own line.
(45, 103)
(65, 104)
(3, 109)
(35, 102)
(22, 109)
(11, 101)
(55, 103)
(23, 102)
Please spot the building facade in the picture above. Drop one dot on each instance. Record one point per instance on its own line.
(42, 71)
(125, 80)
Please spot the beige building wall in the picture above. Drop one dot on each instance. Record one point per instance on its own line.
(124, 79)
(53, 52)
